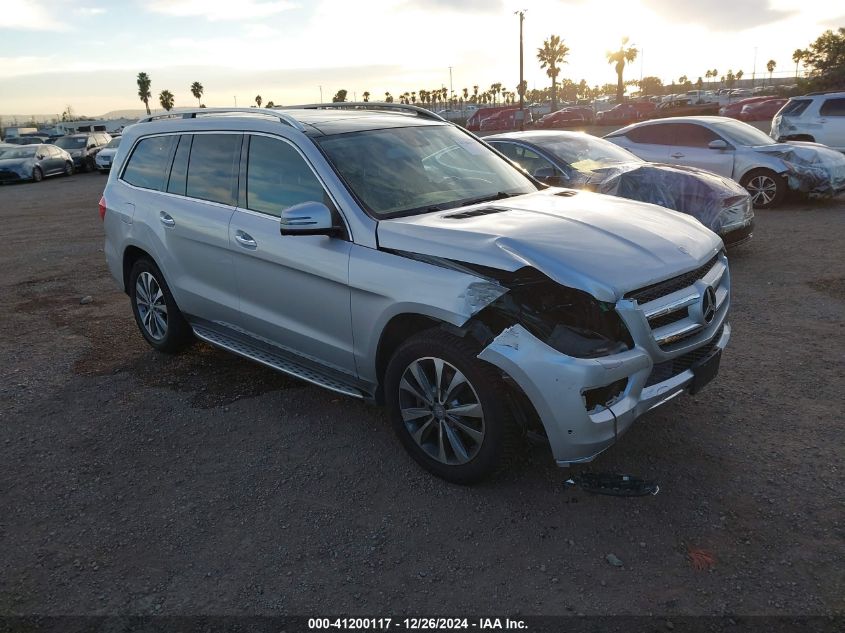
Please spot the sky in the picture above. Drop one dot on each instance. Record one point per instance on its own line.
(87, 53)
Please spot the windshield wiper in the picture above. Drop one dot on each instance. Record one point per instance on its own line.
(501, 195)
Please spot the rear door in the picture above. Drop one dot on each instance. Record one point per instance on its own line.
(294, 289)
(832, 121)
(189, 213)
(690, 146)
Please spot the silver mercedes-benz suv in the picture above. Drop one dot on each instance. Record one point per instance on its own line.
(383, 253)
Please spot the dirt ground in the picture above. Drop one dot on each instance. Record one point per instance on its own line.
(137, 483)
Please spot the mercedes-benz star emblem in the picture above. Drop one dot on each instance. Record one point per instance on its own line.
(708, 304)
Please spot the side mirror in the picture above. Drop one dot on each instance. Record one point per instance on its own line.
(717, 144)
(548, 175)
(307, 218)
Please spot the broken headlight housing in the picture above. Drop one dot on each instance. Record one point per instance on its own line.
(736, 213)
(567, 320)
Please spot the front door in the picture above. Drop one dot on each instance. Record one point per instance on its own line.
(294, 289)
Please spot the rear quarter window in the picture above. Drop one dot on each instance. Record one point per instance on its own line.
(795, 107)
(149, 163)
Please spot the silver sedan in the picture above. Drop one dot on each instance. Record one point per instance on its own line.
(727, 147)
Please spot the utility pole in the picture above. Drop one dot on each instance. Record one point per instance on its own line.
(521, 88)
(321, 93)
(236, 100)
(754, 69)
(451, 90)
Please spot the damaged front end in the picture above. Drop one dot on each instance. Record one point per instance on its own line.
(811, 168)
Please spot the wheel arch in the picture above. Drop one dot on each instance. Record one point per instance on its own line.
(397, 330)
(132, 254)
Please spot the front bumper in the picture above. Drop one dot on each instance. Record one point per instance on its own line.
(556, 384)
(103, 164)
(737, 236)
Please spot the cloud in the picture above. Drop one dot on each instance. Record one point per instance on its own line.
(29, 15)
(458, 6)
(719, 15)
(222, 9)
(89, 11)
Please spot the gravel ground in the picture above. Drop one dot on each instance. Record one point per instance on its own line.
(136, 483)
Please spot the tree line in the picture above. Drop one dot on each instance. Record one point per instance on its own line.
(823, 61)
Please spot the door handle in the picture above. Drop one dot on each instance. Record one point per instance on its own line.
(245, 239)
(166, 220)
(677, 155)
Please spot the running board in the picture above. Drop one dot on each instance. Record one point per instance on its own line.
(275, 361)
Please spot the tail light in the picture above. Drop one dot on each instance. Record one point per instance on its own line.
(102, 208)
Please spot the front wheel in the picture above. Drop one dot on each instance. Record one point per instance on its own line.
(37, 174)
(68, 168)
(767, 189)
(156, 313)
(448, 408)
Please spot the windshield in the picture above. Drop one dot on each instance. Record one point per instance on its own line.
(25, 151)
(741, 133)
(114, 142)
(402, 171)
(587, 153)
(71, 142)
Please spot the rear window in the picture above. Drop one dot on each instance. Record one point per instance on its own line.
(213, 168)
(795, 107)
(833, 107)
(149, 163)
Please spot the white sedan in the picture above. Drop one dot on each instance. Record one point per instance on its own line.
(740, 151)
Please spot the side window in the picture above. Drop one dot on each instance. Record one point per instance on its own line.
(278, 177)
(651, 134)
(54, 151)
(833, 107)
(691, 135)
(179, 172)
(795, 107)
(508, 149)
(213, 167)
(148, 165)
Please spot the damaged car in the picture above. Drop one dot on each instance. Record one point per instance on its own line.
(582, 161)
(383, 253)
(731, 148)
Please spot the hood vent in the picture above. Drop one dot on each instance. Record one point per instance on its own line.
(463, 215)
(566, 193)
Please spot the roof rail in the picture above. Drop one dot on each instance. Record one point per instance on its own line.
(199, 112)
(824, 92)
(368, 105)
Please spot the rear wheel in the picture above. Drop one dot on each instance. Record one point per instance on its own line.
(767, 189)
(37, 174)
(156, 313)
(448, 408)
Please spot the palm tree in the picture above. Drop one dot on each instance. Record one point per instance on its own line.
(739, 75)
(708, 74)
(144, 93)
(270, 104)
(797, 56)
(620, 58)
(197, 90)
(366, 96)
(551, 56)
(165, 98)
(258, 100)
(770, 66)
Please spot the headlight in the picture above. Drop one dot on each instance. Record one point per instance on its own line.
(738, 213)
(567, 320)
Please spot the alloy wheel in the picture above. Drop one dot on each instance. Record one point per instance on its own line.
(441, 411)
(152, 308)
(763, 189)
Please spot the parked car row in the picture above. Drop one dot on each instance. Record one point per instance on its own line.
(28, 161)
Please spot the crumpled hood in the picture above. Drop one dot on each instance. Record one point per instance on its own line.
(600, 244)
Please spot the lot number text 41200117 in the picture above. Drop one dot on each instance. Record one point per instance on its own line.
(415, 624)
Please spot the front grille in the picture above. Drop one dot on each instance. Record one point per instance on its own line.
(662, 288)
(668, 369)
(667, 319)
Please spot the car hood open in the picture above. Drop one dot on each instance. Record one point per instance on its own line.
(600, 244)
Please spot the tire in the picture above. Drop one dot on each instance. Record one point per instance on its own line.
(68, 169)
(160, 321)
(37, 174)
(767, 189)
(461, 448)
